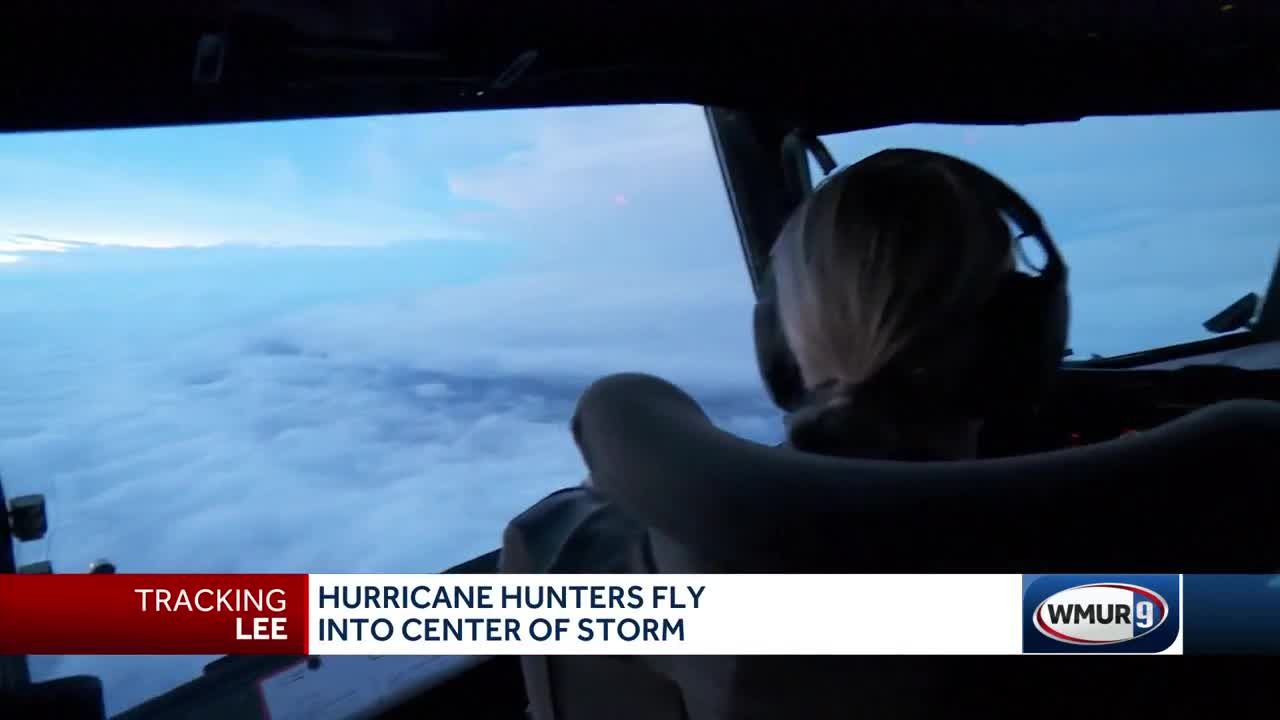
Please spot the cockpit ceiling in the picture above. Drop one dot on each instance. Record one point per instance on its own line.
(809, 63)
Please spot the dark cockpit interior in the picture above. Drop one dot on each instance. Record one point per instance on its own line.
(1180, 441)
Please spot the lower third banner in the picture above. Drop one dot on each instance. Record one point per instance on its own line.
(477, 615)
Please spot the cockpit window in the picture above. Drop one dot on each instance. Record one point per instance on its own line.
(344, 345)
(1165, 221)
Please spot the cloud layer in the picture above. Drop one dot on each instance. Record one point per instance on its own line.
(371, 432)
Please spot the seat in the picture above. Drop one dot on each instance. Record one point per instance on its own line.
(672, 493)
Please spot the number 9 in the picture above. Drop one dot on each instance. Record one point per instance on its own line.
(1145, 613)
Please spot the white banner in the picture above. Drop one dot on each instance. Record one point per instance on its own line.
(665, 614)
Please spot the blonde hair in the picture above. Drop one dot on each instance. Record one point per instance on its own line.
(888, 262)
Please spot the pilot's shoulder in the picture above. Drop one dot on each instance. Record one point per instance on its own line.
(575, 530)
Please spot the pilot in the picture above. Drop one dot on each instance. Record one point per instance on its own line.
(880, 280)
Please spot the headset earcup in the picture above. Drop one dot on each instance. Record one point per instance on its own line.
(778, 366)
(1024, 331)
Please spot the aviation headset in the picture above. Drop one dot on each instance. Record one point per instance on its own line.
(1023, 326)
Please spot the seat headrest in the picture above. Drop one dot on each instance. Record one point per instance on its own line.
(1189, 496)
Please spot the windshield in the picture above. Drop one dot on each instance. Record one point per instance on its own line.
(1164, 221)
(354, 345)
(344, 345)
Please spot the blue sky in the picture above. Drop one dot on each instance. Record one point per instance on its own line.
(353, 345)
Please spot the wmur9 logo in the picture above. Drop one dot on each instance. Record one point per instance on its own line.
(1100, 613)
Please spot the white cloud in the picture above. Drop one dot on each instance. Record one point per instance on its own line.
(597, 188)
(587, 157)
(32, 243)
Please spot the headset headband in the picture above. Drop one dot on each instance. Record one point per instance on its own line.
(991, 190)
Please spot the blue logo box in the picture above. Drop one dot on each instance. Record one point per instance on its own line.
(1100, 613)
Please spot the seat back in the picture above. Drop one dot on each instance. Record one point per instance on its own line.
(1198, 494)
